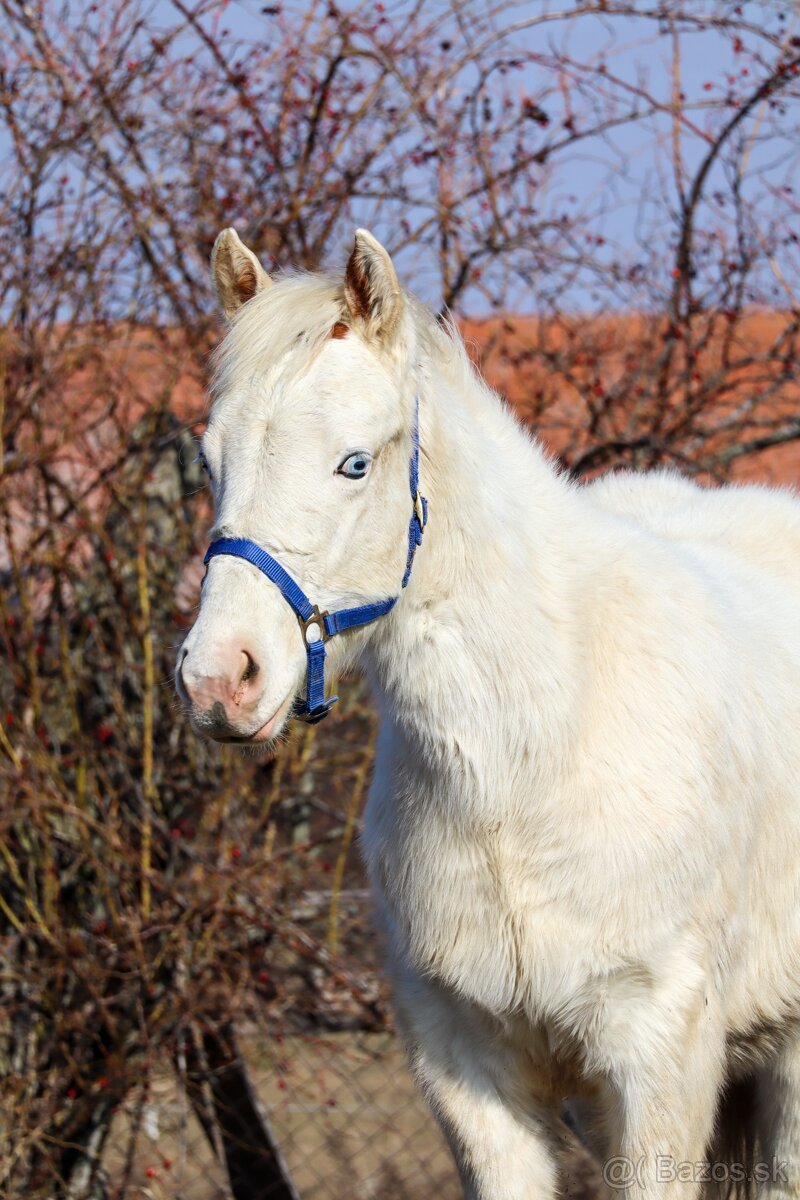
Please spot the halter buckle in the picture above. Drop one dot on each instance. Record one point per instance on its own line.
(316, 618)
(419, 511)
(317, 714)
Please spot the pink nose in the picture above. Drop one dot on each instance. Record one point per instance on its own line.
(224, 688)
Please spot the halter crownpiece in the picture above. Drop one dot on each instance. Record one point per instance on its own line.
(315, 706)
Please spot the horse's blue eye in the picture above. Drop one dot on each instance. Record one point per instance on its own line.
(355, 466)
(201, 458)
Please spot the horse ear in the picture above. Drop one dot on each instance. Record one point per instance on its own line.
(371, 287)
(236, 272)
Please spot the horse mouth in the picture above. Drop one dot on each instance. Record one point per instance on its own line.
(265, 733)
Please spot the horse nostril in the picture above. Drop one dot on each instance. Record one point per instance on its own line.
(221, 676)
(251, 669)
(248, 669)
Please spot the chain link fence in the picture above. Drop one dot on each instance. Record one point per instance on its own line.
(347, 1122)
(342, 1108)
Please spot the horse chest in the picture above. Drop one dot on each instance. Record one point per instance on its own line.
(477, 909)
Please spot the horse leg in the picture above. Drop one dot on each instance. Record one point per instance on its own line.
(499, 1136)
(665, 1088)
(778, 1121)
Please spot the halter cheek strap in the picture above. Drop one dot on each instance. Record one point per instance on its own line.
(419, 517)
(309, 617)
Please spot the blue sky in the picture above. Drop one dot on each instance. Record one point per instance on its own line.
(622, 182)
(619, 187)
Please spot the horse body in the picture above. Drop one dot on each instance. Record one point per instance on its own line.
(585, 801)
(583, 832)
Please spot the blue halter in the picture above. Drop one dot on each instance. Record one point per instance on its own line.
(315, 706)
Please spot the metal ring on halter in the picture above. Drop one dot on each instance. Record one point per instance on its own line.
(316, 618)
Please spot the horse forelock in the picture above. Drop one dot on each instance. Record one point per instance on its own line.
(289, 322)
(284, 324)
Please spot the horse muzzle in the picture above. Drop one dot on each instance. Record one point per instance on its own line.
(223, 695)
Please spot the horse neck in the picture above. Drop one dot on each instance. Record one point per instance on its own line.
(476, 646)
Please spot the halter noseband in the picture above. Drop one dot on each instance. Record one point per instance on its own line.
(315, 706)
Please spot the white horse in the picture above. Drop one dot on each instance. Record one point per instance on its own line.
(584, 828)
